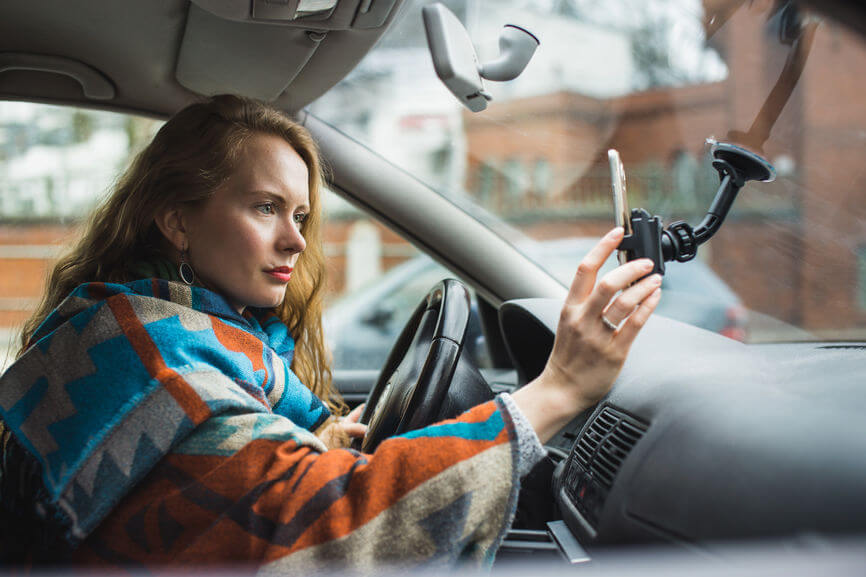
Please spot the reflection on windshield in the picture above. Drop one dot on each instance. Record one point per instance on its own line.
(653, 79)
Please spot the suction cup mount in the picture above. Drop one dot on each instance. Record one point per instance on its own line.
(680, 241)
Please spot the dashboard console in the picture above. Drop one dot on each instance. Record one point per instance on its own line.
(704, 440)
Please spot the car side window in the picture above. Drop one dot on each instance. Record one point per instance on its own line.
(364, 317)
(56, 162)
(399, 303)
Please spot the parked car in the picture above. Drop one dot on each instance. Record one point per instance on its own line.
(707, 449)
(363, 325)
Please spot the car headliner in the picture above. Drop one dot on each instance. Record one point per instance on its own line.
(155, 56)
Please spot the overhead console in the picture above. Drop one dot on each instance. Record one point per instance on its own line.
(323, 14)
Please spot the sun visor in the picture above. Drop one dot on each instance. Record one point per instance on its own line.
(258, 47)
(261, 60)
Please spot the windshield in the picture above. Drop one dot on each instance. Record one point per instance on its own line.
(653, 79)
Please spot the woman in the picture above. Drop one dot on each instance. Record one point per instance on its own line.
(156, 413)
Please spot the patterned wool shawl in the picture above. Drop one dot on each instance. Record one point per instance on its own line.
(119, 374)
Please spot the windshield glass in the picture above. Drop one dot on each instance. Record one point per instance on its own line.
(654, 79)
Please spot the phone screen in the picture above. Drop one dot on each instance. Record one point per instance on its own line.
(620, 201)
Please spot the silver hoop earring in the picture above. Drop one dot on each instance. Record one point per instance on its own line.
(187, 275)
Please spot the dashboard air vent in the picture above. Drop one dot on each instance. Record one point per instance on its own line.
(596, 458)
(589, 442)
(605, 444)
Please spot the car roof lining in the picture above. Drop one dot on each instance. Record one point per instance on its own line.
(160, 56)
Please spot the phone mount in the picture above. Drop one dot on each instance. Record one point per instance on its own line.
(680, 241)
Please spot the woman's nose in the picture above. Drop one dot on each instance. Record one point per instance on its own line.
(291, 238)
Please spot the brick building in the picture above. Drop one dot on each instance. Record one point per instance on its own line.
(787, 246)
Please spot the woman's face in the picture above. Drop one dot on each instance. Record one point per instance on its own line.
(245, 240)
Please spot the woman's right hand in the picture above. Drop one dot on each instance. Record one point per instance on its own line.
(338, 432)
(588, 353)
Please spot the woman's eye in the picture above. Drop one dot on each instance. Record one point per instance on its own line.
(300, 217)
(267, 208)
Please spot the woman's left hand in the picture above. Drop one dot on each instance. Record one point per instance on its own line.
(339, 432)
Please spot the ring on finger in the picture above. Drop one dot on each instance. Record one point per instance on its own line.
(608, 323)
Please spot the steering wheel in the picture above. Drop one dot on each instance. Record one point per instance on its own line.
(414, 382)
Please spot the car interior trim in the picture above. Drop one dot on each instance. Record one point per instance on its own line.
(93, 83)
(570, 547)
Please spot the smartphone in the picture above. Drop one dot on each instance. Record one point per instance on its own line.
(620, 200)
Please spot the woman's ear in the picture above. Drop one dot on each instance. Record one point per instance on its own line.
(171, 223)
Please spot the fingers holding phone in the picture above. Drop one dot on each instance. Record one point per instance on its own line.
(588, 353)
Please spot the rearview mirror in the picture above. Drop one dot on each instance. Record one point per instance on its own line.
(455, 60)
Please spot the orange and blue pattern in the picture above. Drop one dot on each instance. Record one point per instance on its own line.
(167, 428)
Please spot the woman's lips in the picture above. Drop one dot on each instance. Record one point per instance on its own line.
(282, 273)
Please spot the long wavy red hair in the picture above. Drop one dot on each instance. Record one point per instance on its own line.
(191, 155)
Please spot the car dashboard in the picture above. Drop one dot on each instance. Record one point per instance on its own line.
(701, 441)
